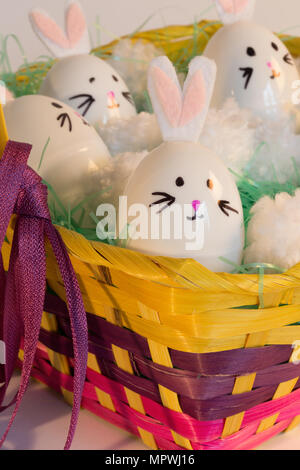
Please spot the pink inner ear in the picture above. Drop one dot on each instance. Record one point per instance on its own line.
(194, 99)
(50, 29)
(168, 94)
(233, 6)
(75, 24)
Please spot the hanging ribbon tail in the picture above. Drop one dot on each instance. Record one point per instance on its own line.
(12, 168)
(23, 290)
(12, 322)
(78, 323)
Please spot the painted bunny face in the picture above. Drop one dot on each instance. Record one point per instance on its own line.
(75, 155)
(84, 82)
(254, 65)
(91, 86)
(183, 175)
(190, 176)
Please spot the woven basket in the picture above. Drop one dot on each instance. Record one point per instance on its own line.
(182, 357)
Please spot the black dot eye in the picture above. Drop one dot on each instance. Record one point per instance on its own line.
(92, 79)
(179, 181)
(275, 46)
(115, 78)
(251, 52)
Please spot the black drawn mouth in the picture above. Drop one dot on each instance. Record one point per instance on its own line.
(192, 218)
(128, 97)
(195, 217)
(85, 105)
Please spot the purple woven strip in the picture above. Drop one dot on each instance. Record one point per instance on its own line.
(234, 362)
(195, 391)
(23, 290)
(199, 400)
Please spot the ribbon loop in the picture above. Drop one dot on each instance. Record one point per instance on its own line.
(32, 198)
(22, 290)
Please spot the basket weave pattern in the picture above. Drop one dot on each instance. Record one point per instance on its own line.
(175, 354)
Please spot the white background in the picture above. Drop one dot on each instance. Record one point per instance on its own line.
(119, 17)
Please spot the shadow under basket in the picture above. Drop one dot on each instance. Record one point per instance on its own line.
(181, 357)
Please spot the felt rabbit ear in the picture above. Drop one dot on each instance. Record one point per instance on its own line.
(231, 11)
(74, 40)
(181, 114)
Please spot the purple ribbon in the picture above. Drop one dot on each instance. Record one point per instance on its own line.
(22, 290)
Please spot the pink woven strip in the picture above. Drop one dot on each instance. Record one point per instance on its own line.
(204, 435)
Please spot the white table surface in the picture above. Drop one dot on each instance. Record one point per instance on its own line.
(43, 421)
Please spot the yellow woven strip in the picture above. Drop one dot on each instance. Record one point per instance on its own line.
(294, 424)
(233, 423)
(152, 268)
(58, 361)
(282, 390)
(243, 384)
(160, 355)
(123, 361)
(173, 339)
(103, 397)
(215, 324)
(134, 399)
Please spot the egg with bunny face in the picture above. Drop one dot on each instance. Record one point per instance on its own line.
(188, 194)
(182, 201)
(67, 152)
(91, 86)
(254, 66)
(79, 79)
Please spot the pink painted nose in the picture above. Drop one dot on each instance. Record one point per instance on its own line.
(196, 205)
(111, 95)
(269, 65)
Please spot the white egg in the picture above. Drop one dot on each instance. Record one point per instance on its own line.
(81, 80)
(189, 179)
(75, 155)
(254, 67)
(91, 86)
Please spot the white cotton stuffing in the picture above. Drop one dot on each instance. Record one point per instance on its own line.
(274, 231)
(115, 174)
(135, 134)
(230, 134)
(131, 60)
(227, 131)
(277, 150)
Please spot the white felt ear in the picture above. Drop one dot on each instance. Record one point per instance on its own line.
(231, 11)
(181, 115)
(75, 39)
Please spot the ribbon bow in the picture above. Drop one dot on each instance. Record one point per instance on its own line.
(22, 290)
